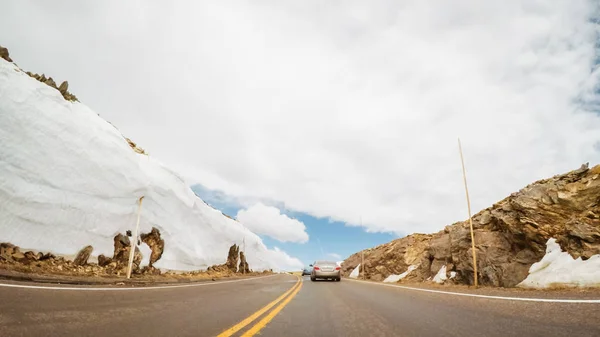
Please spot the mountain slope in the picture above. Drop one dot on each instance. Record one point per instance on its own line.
(69, 179)
(510, 236)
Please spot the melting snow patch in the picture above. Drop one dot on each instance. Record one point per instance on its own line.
(395, 278)
(354, 273)
(560, 268)
(440, 277)
(452, 274)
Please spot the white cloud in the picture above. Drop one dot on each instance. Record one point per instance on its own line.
(268, 220)
(335, 256)
(339, 110)
(284, 261)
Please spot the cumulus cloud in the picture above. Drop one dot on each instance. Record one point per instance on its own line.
(339, 109)
(284, 260)
(268, 220)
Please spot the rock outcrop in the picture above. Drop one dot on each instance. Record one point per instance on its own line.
(156, 244)
(233, 258)
(510, 236)
(83, 256)
(243, 268)
(121, 253)
(4, 54)
(63, 88)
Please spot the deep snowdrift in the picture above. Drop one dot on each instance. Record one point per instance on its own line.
(68, 179)
(558, 268)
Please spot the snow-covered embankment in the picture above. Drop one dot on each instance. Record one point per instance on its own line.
(68, 179)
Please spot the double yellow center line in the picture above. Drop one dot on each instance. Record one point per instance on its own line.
(265, 320)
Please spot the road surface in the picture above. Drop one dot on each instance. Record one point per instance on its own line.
(282, 305)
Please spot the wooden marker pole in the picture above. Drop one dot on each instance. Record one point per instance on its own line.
(133, 239)
(469, 210)
(362, 263)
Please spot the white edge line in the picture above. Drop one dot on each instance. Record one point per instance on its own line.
(199, 284)
(527, 299)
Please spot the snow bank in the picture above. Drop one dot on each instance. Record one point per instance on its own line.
(354, 273)
(560, 268)
(440, 277)
(68, 179)
(395, 278)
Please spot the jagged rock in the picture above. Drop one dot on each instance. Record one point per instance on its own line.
(243, 268)
(121, 252)
(103, 260)
(156, 244)
(233, 258)
(50, 82)
(4, 54)
(83, 256)
(64, 86)
(510, 236)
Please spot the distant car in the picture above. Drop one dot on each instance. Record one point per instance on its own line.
(326, 270)
(306, 271)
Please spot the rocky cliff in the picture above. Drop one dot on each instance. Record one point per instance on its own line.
(510, 236)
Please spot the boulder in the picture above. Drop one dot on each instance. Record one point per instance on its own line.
(103, 260)
(83, 256)
(64, 86)
(4, 54)
(156, 244)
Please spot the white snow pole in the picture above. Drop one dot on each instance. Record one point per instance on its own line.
(470, 219)
(133, 239)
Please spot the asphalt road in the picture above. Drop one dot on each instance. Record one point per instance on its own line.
(289, 308)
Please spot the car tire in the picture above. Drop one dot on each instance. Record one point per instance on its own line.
(338, 279)
(313, 279)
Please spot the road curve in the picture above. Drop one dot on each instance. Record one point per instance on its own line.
(282, 306)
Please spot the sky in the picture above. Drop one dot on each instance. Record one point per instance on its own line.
(323, 114)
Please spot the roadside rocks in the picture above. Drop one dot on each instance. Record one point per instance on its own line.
(233, 258)
(510, 236)
(243, 267)
(121, 253)
(103, 260)
(236, 263)
(156, 244)
(83, 256)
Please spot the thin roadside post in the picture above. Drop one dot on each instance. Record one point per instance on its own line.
(362, 263)
(470, 218)
(133, 240)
